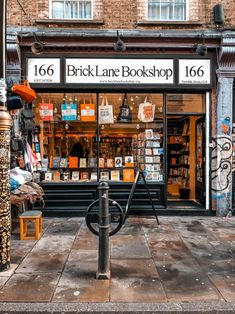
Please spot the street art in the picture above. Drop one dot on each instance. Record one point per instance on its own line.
(221, 163)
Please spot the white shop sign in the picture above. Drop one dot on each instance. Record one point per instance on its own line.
(194, 71)
(45, 70)
(119, 71)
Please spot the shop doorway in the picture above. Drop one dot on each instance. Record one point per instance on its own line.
(186, 161)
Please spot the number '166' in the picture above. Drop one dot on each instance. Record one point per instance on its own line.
(43, 70)
(194, 71)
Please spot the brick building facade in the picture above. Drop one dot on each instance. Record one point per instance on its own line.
(172, 37)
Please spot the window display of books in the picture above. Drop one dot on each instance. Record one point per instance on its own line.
(148, 153)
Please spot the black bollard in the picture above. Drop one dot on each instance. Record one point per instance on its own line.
(104, 224)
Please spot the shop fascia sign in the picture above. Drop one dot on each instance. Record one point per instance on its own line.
(119, 71)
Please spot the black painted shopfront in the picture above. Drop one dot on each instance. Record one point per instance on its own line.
(170, 148)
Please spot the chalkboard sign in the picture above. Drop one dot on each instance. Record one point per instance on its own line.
(132, 191)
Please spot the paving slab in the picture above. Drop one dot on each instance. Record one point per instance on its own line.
(43, 262)
(54, 243)
(135, 281)
(29, 288)
(129, 246)
(78, 282)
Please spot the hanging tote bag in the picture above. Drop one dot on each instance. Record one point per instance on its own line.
(146, 111)
(24, 91)
(105, 112)
(68, 112)
(46, 112)
(87, 112)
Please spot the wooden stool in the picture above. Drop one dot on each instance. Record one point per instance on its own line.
(31, 215)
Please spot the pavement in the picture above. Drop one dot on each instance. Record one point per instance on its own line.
(185, 264)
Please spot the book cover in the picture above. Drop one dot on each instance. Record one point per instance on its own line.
(84, 176)
(63, 163)
(128, 175)
(156, 159)
(104, 175)
(129, 160)
(75, 175)
(93, 176)
(55, 162)
(101, 162)
(92, 162)
(44, 163)
(109, 163)
(66, 176)
(56, 175)
(115, 175)
(148, 151)
(149, 134)
(82, 163)
(48, 176)
(73, 162)
(118, 161)
(148, 160)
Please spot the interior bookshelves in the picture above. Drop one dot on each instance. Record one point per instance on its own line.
(178, 144)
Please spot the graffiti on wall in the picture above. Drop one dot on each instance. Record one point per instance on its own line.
(221, 166)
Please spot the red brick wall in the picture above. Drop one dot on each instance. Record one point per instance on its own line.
(118, 14)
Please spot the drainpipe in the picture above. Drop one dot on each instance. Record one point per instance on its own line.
(5, 131)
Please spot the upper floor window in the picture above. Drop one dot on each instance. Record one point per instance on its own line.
(167, 10)
(71, 9)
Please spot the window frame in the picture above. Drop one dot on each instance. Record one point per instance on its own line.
(168, 20)
(72, 19)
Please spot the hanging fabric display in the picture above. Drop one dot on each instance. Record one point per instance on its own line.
(69, 112)
(46, 112)
(146, 111)
(24, 91)
(105, 112)
(125, 111)
(87, 112)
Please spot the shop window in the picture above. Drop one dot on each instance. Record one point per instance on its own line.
(167, 10)
(185, 103)
(71, 9)
(79, 139)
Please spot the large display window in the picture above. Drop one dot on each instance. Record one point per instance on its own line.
(92, 137)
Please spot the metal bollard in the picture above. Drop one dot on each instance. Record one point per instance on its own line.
(104, 224)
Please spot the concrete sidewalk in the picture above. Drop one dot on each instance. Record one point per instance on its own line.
(186, 264)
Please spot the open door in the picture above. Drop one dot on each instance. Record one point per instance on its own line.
(200, 161)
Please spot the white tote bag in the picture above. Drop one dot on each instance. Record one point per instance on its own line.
(146, 111)
(105, 112)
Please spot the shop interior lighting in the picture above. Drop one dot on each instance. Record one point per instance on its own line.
(119, 45)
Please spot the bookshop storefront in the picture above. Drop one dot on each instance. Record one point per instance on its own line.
(102, 118)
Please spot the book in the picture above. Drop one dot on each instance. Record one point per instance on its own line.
(148, 151)
(118, 161)
(128, 175)
(73, 162)
(82, 163)
(115, 175)
(93, 176)
(101, 162)
(109, 163)
(84, 176)
(129, 160)
(75, 175)
(66, 176)
(55, 162)
(92, 162)
(149, 134)
(104, 175)
(48, 176)
(56, 175)
(45, 163)
(148, 160)
(63, 163)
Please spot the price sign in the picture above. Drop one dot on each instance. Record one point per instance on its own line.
(43, 70)
(194, 71)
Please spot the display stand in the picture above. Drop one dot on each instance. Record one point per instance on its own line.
(133, 188)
